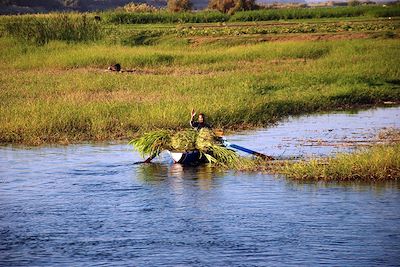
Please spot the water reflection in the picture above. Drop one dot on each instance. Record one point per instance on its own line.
(379, 188)
(202, 176)
(319, 134)
(151, 173)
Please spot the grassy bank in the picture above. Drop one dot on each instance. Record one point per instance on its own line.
(61, 93)
(56, 90)
(379, 163)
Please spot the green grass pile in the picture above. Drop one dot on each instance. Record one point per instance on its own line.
(212, 147)
(152, 143)
(205, 141)
(184, 140)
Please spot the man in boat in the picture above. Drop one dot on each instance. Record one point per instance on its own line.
(201, 121)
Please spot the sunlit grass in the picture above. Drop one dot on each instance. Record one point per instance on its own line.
(60, 92)
(375, 164)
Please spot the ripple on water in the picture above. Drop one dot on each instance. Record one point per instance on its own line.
(90, 205)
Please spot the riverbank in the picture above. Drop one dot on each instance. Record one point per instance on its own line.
(372, 160)
(59, 92)
(45, 99)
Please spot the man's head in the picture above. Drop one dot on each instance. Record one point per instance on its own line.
(201, 118)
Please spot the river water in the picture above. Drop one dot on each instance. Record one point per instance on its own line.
(89, 205)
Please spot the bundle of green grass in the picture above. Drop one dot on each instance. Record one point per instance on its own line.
(205, 141)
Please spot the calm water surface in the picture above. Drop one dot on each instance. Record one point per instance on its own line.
(89, 205)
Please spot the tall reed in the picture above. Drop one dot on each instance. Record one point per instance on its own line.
(42, 29)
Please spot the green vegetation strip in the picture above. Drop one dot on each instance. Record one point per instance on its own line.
(312, 13)
(375, 164)
(256, 15)
(41, 29)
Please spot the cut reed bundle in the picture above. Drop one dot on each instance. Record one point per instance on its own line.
(205, 141)
(152, 143)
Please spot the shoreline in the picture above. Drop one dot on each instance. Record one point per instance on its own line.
(227, 131)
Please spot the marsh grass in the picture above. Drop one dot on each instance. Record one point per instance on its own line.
(375, 164)
(60, 92)
(42, 29)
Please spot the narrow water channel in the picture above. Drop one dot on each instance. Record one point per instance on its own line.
(89, 205)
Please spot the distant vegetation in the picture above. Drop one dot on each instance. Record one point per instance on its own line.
(227, 6)
(42, 29)
(255, 15)
(232, 6)
(179, 5)
(321, 12)
(165, 17)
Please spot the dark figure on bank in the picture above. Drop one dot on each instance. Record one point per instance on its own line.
(201, 121)
(115, 67)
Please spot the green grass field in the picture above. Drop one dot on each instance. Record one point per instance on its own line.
(59, 92)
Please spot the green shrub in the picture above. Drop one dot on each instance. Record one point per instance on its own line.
(231, 6)
(141, 8)
(179, 5)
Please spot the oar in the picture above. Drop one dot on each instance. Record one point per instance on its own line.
(249, 151)
(148, 160)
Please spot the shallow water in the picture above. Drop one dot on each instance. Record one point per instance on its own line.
(322, 134)
(88, 204)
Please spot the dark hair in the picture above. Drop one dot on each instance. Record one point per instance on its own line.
(117, 67)
(202, 114)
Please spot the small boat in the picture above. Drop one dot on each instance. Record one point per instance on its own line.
(195, 157)
(188, 158)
